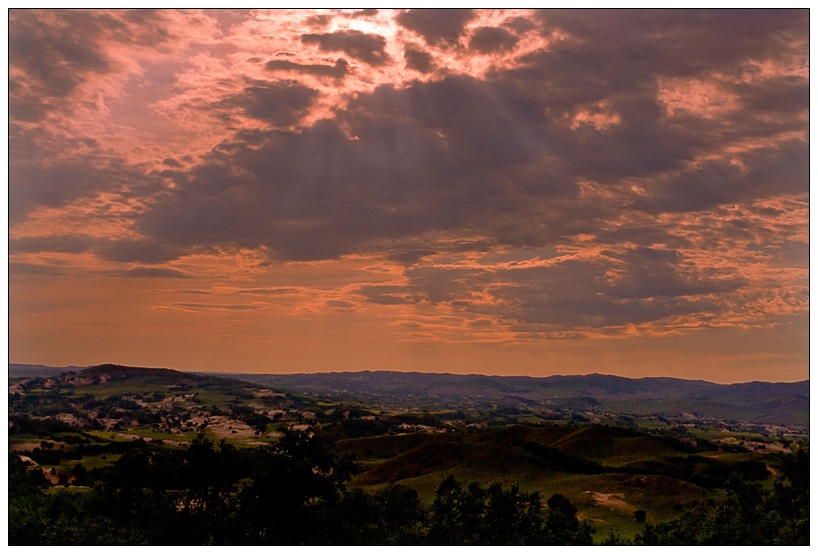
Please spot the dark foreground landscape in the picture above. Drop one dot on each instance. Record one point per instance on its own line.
(135, 456)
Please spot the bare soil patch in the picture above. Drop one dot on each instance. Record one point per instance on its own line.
(612, 500)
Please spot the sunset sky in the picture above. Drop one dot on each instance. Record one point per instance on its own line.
(510, 192)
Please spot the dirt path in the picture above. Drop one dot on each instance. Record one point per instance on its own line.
(613, 500)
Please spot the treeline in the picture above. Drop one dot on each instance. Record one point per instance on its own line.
(295, 493)
(749, 516)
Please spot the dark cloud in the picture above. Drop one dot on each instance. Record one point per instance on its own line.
(368, 48)
(142, 251)
(488, 40)
(497, 156)
(160, 272)
(520, 25)
(450, 284)
(433, 156)
(227, 18)
(650, 285)
(281, 103)
(337, 71)
(411, 257)
(267, 291)
(368, 12)
(790, 253)
(384, 294)
(341, 305)
(319, 21)
(65, 243)
(215, 307)
(656, 272)
(763, 172)
(23, 268)
(55, 51)
(775, 98)
(422, 171)
(680, 42)
(418, 60)
(437, 26)
(56, 61)
(66, 178)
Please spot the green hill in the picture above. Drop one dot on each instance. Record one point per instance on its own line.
(607, 472)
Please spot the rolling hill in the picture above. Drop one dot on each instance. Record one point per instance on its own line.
(763, 403)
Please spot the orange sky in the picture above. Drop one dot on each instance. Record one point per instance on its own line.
(509, 192)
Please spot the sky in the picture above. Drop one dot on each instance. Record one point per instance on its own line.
(503, 192)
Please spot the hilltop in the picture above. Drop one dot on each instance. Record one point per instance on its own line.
(757, 402)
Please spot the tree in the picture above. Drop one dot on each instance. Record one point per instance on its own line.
(472, 515)
(211, 474)
(786, 514)
(294, 486)
(749, 515)
(562, 527)
(404, 517)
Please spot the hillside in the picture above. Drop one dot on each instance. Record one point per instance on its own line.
(153, 404)
(608, 472)
(763, 403)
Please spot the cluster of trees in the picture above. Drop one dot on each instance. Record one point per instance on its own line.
(291, 493)
(295, 493)
(749, 516)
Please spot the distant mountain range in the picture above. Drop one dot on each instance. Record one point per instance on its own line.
(34, 370)
(771, 403)
(759, 402)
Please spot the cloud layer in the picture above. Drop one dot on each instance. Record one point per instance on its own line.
(502, 176)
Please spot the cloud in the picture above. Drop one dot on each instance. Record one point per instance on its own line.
(201, 307)
(142, 251)
(366, 47)
(384, 294)
(160, 272)
(495, 154)
(418, 60)
(762, 172)
(280, 103)
(65, 244)
(24, 268)
(319, 21)
(661, 166)
(436, 26)
(53, 53)
(488, 40)
(341, 305)
(368, 12)
(337, 71)
(634, 286)
(520, 25)
(54, 63)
